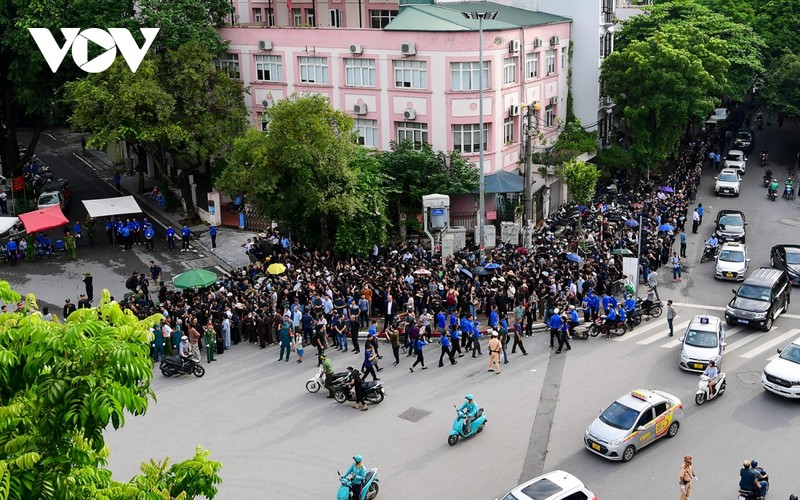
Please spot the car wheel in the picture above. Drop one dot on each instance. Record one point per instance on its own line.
(768, 324)
(673, 429)
(628, 454)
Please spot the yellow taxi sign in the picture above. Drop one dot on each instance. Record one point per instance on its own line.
(639, 395)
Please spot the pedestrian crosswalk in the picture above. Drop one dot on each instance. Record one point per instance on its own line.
(749, 342)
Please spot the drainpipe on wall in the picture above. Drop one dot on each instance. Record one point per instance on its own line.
(360, 9)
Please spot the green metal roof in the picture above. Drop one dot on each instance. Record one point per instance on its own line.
(447, 17)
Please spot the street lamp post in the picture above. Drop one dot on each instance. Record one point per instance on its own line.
(480, 16)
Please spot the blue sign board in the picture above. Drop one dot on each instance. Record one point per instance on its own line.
(437, 211)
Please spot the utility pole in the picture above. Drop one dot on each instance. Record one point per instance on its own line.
(529, 130)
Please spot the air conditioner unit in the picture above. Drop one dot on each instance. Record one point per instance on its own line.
(360, 109)
(264, 45)
(267, 103)
(514, 46)
(410, 114)
(554, 99)
(513, 110)
(356, 48)
(408, 49)
(537, 42)
(554, 40)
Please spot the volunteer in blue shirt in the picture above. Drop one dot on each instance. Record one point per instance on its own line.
(573, 319)
(212, 231)
(444, 340)
(441, 322)
(455, 337)
(186, 235)
(476, 338)
(611, 319)
(11, 251)
(170, 239)
(418, 346)
(359, 476)
(125, 233)
(555, 324)
(630, 308)
(149, 235)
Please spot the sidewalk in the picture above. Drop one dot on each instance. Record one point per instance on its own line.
(229, 251)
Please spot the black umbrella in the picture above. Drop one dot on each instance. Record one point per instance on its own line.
(481, 271)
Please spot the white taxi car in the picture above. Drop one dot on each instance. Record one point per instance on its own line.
(556, 485)
(782, 375)
(703, 341)
(632, 422)
(732, 262)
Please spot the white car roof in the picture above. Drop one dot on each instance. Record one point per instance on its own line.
(566, 481)
(699, 323)
(729, 171)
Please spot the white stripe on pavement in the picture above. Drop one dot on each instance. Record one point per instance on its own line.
(772, 357)
(220, 270)
(638, 331)
(185, 265)
(662, 334)
(672, 343)
(772, 343)
(739, 343)
(700, 306)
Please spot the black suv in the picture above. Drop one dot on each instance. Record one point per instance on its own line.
(760, 298)
(730, 226)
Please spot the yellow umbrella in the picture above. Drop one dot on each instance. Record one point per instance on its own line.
(276, 268)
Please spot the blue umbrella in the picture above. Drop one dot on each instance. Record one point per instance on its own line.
(666, 227)
(632, 222)
(492, 265)
(667, 189)
(466, 271)
(575, 258)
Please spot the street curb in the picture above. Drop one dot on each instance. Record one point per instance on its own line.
(158, 217)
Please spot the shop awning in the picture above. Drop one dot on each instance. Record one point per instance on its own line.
(504, 182)
(44, 219)
(7, 223)
(105, 207)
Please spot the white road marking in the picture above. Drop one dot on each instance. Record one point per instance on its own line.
(639, 330)
(700, 306)
(661, 335)
(744, 341)
(220, 270)
(672, 343)
(772, 343)
(50, 136)
(185, 265)
(772, 357)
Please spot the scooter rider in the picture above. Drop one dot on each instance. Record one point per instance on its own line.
(359, 473)
(763, 473)
(470, 407)
(184, 351)
(764, 156)
(611, 320)
(630, 308)
(788, 186)
(751, 480)
(712, 372)
(768, 175)
(327, 367)
(773, 187)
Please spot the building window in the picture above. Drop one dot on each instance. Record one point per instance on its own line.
(380, 18)
(336, 17)
(310, 17)
(269, 69)
(508, 130)
(563, 59)
(549, 116)
(550, 62)
(230, 64)
(359, 72)
(270, 17)
(313, 69)
(257, 17)
(415, 133)
(411, 74)
(606, 45)
(465, 75)
(509, 70)
(367, 132)
(532, 65)
(297, 17)
(467, 138)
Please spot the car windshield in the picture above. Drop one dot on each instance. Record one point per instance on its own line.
(731, 256)
(743, 136)
(733, 157)
(49, 199)
(620, 416)
(542, 489)
(730, 220)
(791, 353)
(728, 178)
(701, 338)
(753, 292)
(792, 258)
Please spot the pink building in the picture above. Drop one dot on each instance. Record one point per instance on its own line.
(414, 76)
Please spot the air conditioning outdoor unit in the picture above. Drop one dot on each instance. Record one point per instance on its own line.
(514, 46)
(265, 45)
(266, 103)
(360, 109)
(356, 48)
(554, 40)
(410, 114)
(513, 110)
(408, 49)
(554, 99)
(537, 42)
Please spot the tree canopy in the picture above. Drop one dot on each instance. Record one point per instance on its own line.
(782, 89)
(62, 385)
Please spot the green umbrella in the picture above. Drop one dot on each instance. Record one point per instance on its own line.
(194, 279)
(621, 251)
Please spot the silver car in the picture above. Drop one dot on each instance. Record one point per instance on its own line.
(736, 159)
(703, 341)
(732, 262)
(632, 422)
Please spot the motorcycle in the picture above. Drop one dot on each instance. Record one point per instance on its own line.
(749, 495)
(476, 426)
(760, 123)
(318, 380)
(175, 365)
(373, 392)
(368, 491)
(655, 311)
(619, 328)
(767, 178)
(772, 194)
(709, 253)
(704, 393)
(788, 193)
(763, 159)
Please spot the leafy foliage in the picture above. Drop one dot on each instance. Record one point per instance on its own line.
(614, 159)
(781, 89)
(61, 385)
(580, 178)
(573, 141)
(777, 22)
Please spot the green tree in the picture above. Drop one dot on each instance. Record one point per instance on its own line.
(735, 41)
(184, 21)
(62, 384)
(777, 22)
(581, 180)
(781, 84)
(306, 171)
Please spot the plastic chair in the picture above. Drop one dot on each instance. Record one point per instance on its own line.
(60, 247)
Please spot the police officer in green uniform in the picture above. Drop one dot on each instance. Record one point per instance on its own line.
(210, 340)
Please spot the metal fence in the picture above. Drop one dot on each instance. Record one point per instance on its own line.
(256, 222)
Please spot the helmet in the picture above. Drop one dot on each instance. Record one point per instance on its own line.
(754, 463)
(774, 180)
(358, 459)
(555, 310)
(184, 338)
(350, 368)
(469, 397)
(792, 497)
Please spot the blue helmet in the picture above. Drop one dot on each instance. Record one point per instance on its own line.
(469, 397)
(754, 463)
(358, 459)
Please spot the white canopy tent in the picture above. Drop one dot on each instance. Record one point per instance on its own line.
(112, 206)
(7, 223)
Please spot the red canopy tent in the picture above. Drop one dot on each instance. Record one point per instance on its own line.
(44, 219)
